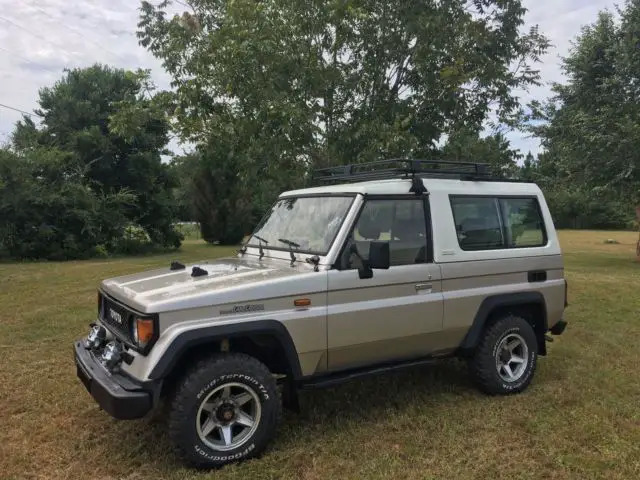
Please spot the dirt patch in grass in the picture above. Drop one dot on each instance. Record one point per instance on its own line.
(579, 419)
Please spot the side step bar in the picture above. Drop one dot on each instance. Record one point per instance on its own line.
(348, 375)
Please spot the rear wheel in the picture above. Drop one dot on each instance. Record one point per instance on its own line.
(225, 410)
(505, 360)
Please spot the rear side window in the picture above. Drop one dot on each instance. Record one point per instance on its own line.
(523, 222)
(489, 223)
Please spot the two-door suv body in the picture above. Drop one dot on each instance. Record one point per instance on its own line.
(387, 265)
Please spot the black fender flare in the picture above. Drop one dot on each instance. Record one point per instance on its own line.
(200, 336)
(489, 304)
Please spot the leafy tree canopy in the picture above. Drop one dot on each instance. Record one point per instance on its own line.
(591, 127)
(112, 128)
(281, 86)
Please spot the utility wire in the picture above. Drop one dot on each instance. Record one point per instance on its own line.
(21, 111)
(80, 34)
(34, 34)
(29, 61)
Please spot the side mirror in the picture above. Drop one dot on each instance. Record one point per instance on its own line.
(379, 256)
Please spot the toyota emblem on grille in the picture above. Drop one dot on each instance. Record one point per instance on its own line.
(115, 316)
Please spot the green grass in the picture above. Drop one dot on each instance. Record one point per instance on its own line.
(579, 419)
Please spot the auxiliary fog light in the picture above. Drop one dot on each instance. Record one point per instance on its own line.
(112, 354)
(96, 337)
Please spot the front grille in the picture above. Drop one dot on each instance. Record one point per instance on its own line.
(116, 316)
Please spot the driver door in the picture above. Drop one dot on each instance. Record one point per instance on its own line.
(398, 313)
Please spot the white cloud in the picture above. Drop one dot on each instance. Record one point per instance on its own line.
(78, 34)
(38, 38)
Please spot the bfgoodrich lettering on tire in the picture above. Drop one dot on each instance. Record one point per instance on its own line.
(225, 410)
(505, 359)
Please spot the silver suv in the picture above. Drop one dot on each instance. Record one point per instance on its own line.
(387, 265)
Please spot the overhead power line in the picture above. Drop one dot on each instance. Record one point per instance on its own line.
(21, 111)
(34, 34)
(80, 34)
(44, 67)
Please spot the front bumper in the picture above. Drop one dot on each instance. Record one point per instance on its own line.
(119, 395)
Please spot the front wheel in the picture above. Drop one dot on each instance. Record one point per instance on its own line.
(225, 410)
(505, 360)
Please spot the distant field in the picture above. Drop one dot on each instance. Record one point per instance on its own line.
(579, 419)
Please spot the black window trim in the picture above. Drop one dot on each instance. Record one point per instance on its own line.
(396, 196)
(545, 237)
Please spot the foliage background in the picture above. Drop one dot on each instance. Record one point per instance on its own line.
(265, 92)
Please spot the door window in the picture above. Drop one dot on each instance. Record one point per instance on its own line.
(401, 222)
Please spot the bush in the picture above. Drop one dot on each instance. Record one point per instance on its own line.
(100, 251)
(584, 210)
(49, 211)
(134, 239)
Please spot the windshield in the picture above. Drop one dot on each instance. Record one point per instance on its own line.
(310, 222)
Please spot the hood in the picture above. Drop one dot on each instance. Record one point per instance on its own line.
(227, 280)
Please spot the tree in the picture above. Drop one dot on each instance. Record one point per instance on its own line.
(182, 169)
(109, 122)
(288, 85)
(495, 150)
(49, 210)
(590, 128)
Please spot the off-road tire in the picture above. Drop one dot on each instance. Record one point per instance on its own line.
(483, 366)
(204, 377)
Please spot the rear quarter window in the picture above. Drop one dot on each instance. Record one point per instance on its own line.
(523, 222)
(490, 223)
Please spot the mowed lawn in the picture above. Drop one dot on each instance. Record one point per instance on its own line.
(580, 418)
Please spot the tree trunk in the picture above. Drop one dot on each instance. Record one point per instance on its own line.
(638, 244)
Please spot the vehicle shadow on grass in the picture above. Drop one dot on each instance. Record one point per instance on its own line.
(323, 411)
(428, 384)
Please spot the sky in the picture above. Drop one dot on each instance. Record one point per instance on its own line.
(38, 38)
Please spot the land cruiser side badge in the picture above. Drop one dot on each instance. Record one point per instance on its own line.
(256, 307)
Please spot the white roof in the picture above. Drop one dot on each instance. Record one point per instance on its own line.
(433, 185)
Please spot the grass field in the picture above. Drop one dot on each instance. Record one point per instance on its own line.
(579, 419)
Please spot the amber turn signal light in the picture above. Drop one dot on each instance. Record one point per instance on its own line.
(143, 331)
(302, 302)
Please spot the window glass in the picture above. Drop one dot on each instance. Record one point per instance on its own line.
(311, 223)
(523, 223)
(477, 223)
(488, 223)
(400, 222)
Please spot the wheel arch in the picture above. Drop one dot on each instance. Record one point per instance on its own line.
(529, 305)
(247, 337)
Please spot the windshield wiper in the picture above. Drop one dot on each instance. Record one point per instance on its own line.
(291, 246)
(260, 240)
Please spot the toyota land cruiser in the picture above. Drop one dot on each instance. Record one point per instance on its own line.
(387, 265)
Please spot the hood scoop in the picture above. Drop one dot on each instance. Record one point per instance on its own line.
(198, 272)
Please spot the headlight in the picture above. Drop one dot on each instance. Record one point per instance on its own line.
(143, 331)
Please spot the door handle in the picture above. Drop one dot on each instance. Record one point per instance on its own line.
(537, 276)
(423, 286)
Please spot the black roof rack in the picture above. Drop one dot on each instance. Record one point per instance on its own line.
(404, 168)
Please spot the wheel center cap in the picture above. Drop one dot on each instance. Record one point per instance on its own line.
(226, 413)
